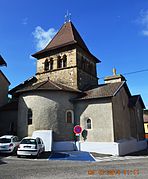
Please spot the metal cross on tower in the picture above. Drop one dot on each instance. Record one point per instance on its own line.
(67, 17)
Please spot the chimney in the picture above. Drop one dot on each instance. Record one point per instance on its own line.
(114, 78)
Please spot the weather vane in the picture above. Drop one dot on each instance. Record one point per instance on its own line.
(67, 17)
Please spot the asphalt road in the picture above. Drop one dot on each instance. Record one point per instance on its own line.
(14, 168)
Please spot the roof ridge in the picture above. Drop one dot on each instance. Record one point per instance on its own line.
(122, 83)
(42, 83)
(78, 39)
(54, 84)
(72, 31)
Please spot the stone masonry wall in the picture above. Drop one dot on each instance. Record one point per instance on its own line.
(49, 113)
(66, 75)
(100, 113)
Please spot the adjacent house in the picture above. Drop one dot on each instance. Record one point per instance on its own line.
(4, 84)
(65, 92)
(6, 125)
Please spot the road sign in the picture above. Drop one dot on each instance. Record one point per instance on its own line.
(77, 129)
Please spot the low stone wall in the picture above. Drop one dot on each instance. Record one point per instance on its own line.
(113, 148)
(100, 147)
(130, 146)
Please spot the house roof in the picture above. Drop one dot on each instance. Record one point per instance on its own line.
(102, 91)
(46, 85)
(2, 61)
(26, 83)
(134, 99)
(67, 35)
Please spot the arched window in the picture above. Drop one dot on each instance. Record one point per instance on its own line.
(59, 63)
(51, 64)
(46, 65)
(29, 116)
(69, 116)
(64, 61)
(88, 124)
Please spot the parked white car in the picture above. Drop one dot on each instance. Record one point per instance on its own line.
(30, 146)
(8, 143)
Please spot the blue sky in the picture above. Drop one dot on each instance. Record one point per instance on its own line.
(115, 31)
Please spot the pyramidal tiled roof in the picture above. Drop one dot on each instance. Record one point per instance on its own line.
(67, 35)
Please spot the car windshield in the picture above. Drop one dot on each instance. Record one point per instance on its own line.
(5, 140)
(28, 141)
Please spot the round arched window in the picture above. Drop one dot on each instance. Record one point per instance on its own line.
(88, 124)
(59, 62)
(46, 65)
(51, 64)
(64, 61)
(69, 116)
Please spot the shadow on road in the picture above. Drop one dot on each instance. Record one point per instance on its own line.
(44, 155)
(1, 160)
(139, 153)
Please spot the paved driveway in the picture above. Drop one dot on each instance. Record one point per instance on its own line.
(15, 168)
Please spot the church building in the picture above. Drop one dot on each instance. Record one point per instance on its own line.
(65, 92)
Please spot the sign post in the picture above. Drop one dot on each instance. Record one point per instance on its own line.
(77, 130)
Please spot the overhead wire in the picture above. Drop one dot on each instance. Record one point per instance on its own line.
(130, 73)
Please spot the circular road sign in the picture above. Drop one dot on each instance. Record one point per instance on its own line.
(77, 129)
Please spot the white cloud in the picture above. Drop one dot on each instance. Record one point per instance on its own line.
(143, 20)
(42, 37)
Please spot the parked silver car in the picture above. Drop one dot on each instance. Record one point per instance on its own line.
(8, 143)
(30, 146)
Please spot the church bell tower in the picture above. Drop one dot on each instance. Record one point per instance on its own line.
(67, 60)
